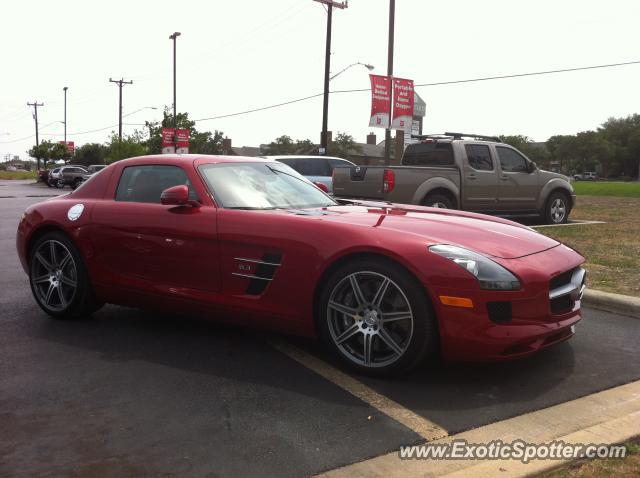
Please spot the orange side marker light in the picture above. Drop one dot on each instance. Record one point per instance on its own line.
(457, 301)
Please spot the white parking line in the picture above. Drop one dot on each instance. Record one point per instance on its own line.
(611, 416)
(423, 427)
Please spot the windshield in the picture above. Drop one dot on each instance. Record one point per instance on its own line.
(261, 186)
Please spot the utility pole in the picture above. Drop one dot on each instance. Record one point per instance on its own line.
(324, 140)
(387, 133)
(120, 84)
(65, 115)
(173, 37)
(35, 105)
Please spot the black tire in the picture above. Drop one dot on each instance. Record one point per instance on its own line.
(396, 345)
(59, 279)
(557, 208)
(439, 200)
(60, 184)
(76, 183)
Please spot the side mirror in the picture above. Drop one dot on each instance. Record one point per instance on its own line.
(531, 166)
(175, 196)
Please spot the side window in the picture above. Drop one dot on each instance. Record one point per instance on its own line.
(313, 167)
(479, 157)
(146, 183)
(511, 161)
(291, 162)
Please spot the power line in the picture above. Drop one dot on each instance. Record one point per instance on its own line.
(439, 83)
(359, 90)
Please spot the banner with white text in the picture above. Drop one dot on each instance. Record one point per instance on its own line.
(402, 104)
(380, 101)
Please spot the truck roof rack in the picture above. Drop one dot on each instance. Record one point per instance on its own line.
(495, 139)
(453, 136)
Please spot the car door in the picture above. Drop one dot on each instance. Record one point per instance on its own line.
(518, 186)
(143, 244)
(480, 179)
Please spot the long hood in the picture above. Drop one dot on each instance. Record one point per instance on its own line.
(485, 234)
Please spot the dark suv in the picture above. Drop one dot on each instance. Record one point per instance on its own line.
(71, 176)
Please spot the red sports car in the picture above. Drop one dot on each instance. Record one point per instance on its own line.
(250, 241)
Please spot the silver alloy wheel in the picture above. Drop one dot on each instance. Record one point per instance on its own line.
(370, 319)
(54, 275)
(440, 205)
(558, 210)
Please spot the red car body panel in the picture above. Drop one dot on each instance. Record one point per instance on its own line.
(197, 259)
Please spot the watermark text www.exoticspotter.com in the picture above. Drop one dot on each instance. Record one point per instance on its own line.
(516, 450)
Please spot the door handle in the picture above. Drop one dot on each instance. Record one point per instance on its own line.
(471, 176)
(504, 178)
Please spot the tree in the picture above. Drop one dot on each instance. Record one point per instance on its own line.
(48, 151)
(129, 147)
(343, 146)
(91, 153)
(200, 142)
(536, 152)
(284, 145)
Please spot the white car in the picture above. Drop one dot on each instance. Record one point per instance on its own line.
(317, 169)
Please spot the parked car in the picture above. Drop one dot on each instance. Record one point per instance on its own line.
(91, 170)
(251, 241)
(317, 169)
(43, 176)
(71, 176)
(52, 180)
(589, 176)
(460, 171)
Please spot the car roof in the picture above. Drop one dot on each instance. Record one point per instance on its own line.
(303, 156)
(199, 158)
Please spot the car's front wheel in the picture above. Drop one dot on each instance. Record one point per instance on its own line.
(59, 279)
(557, 209)
(376, 318)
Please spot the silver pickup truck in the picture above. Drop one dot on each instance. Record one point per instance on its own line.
(462, 171)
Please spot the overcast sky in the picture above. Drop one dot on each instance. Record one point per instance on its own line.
(239, 55)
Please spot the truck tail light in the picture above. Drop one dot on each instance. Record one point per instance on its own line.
(388, 181)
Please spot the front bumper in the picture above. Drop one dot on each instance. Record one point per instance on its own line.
(533, 320)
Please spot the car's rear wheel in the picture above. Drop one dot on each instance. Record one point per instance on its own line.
(439, 200)
(77, 182)
(59, 279)
(376, 318)
(557, 209)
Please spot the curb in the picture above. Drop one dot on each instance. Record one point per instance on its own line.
(609, 302)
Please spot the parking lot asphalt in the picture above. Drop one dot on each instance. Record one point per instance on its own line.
(130, 392)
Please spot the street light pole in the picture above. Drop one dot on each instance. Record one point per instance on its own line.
(324, 140)
(175, 117)
(387, 133)
(65, 114)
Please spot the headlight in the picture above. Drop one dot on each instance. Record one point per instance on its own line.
(490, 275)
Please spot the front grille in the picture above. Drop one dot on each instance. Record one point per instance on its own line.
(560, 280)
(565, 289)
(562, 305)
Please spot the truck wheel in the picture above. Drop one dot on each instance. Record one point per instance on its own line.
(76, 183)
(439, 200)
(557, 209)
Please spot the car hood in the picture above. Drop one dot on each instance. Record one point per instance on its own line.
(485, 234)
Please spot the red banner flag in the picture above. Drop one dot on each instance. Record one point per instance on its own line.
(402, 104)
(167, 137)
(182, 138)
(380, 101)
